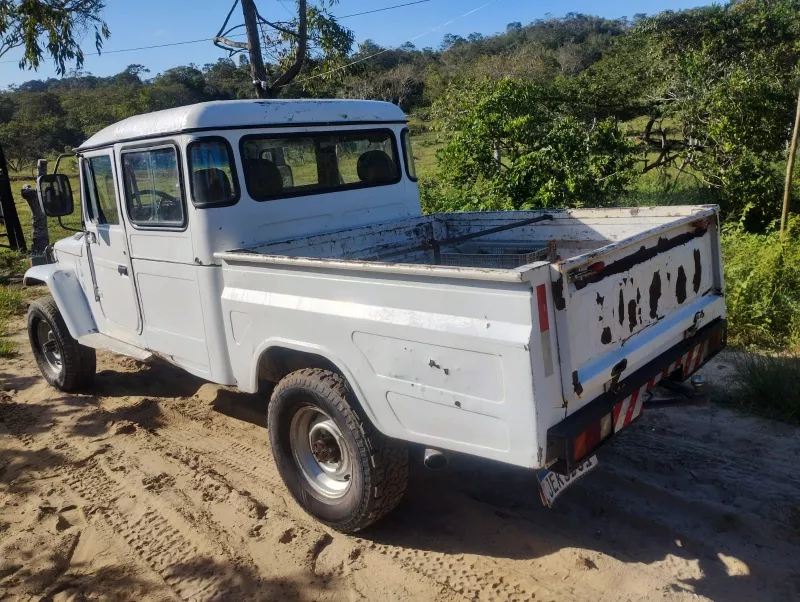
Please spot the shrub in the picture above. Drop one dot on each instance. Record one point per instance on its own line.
(769, 386)
(762, 275)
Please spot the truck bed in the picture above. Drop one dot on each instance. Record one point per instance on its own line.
(575, 233)
(483, 343)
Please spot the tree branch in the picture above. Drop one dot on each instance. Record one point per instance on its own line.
(300, 56)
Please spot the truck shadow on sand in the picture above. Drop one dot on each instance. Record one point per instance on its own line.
(478, 507)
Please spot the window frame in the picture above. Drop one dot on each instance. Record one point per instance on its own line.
(234, 173)
(312, 134)
(406, 154)
(90, 189)
(147, 147)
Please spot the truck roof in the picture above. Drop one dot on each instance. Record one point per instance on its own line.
(225, 114)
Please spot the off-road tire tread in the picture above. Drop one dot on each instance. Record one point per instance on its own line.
(385, 460)
(79, 363)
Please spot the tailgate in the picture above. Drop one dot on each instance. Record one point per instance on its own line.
(621, 306)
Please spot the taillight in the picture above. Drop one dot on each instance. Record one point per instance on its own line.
(592, 437)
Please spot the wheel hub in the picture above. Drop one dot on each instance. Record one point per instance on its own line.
(49, 346)
(326, 450)
(320, 451)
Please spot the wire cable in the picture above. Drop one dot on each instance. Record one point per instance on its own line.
(378, 10)
(371, 56)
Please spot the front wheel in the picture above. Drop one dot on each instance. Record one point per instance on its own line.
(334, 463)
(65, 364)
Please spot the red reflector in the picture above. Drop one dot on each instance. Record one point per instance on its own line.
(597, 266)
(586, 442)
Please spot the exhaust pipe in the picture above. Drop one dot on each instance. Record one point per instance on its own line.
(435, 459)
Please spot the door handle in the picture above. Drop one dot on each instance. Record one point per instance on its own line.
(123, 270)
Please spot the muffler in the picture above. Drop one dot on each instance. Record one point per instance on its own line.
(435, 459)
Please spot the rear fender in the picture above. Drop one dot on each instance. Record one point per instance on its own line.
(69, 296)
(314, 350)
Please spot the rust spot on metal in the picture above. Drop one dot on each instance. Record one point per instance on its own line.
(655, 294)
(558, 293)
(576, 384)
(680, 285)
(698, 271)
(632, 322)
(600, 300)
(643, 254)
(605, 338)
(621, 310)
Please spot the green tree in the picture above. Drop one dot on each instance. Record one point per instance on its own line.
(515, 145)
(52, 27)
(718, 86)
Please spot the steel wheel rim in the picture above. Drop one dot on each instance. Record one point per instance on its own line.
(51, 351)
(320, 452)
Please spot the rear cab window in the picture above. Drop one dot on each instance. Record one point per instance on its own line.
(212, 173)
(281, 165)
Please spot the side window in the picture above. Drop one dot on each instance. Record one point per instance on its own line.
(213, 173)
(153, 193)
(102, 196)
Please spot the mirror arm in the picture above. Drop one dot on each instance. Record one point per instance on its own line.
(58, 160)
(60, 223)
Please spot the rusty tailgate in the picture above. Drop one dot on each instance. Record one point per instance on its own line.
(620, 306)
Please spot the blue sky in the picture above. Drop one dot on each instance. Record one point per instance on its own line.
(150, 22)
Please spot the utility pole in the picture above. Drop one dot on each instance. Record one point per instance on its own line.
(787, 193)
(257, 70)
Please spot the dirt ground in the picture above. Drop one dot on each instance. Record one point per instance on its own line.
(161, 487)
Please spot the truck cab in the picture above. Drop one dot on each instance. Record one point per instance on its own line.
(163, 192)
(283, 241)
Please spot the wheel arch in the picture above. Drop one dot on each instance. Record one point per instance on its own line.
(66, 291)
(275, 358)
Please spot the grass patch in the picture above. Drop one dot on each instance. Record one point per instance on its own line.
(7, 347)
(12, 301)
(769, 386)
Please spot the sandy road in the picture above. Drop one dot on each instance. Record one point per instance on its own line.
(161, 487)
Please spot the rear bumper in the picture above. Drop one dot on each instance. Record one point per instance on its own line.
(625, 402)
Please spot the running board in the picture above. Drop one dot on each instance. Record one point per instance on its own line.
(102, 341)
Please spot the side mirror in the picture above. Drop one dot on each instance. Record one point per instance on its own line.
(55, 195)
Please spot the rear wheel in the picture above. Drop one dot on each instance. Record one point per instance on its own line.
(65, 364)
(334, 463)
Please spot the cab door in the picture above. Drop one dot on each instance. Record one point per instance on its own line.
(108, 249)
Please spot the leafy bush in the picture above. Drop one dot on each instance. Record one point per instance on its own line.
(515, 145)
(769, 386)
(762, 275)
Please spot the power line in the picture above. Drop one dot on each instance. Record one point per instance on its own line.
(371, 56)
(378, 10)
(199, 40)
(141, 47)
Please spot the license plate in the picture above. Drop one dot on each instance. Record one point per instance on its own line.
(552, 484)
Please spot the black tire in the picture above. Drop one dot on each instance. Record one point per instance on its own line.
(78, 363)
(379, 465)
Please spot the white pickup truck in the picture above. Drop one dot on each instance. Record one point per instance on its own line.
(255, 242)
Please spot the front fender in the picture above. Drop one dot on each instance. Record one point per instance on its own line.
(69, 296)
